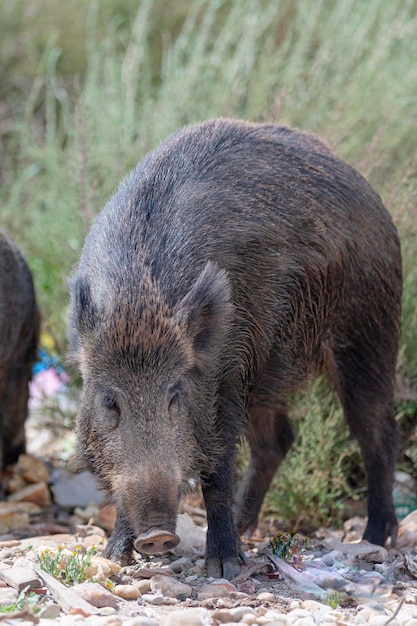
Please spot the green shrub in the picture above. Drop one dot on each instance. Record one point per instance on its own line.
(314, 481)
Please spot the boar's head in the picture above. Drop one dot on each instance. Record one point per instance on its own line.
(150, 382)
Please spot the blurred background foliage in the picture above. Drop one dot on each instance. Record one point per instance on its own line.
(88, 87)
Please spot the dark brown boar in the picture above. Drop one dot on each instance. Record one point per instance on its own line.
(19, 330)
(236, 262)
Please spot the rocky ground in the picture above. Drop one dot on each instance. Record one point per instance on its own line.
(51, 520)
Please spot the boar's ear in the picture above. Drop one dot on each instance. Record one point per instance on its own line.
(83, 316)
(205, 313)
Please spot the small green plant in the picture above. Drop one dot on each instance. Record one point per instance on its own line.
(283, 546)
(70, 569)
(333, 599)
(22, 601)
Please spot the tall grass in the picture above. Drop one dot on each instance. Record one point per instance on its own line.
(84, 98)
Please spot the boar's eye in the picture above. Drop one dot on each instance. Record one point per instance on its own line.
(113, 410)
(174, 401)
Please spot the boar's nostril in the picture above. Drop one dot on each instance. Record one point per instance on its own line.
(156, 542)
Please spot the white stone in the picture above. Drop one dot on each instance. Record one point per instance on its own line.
(127, 592)
(265, 596)
(274, 615)
(240, 611)
(153, 598)
(337, 617)
(316, 607)
(249, 618)
(190, 617)
(296, 615)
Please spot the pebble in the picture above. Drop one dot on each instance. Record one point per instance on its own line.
(265, 596)
(12, 519)
(127, 592)
(238, 613)
(96, 595)
(190, 617)
(248, 587)
(108, 610)
(352, 553)
(51, 611)
(100, 565)
(31, 469)
(225, 616)
(38, 493)
(179, 565)
(144, 585)
(153, 598)
(170, 587)
(148, 572)
(298, 614)
(217, 589)
(273, 616)
(249, 618)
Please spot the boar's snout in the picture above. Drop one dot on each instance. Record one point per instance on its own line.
(156, 542)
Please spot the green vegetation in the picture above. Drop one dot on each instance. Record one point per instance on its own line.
(25, 600)
(70, 568)
(284, 546)
(320, 472)
(88, 87)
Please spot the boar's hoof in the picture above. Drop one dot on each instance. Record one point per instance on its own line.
(227, 568)
(156, 542)
(378, 531)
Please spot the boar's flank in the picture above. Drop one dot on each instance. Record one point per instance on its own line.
(19, 330)
(235, 262)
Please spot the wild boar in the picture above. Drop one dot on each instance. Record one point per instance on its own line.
(235, 263)
(19, 331)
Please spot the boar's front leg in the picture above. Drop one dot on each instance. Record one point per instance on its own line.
(223, 544)
(120, 545)
(222, 547)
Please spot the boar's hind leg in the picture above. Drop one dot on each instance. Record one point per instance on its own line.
(365, 387)
(270, 437)
(120, 545)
